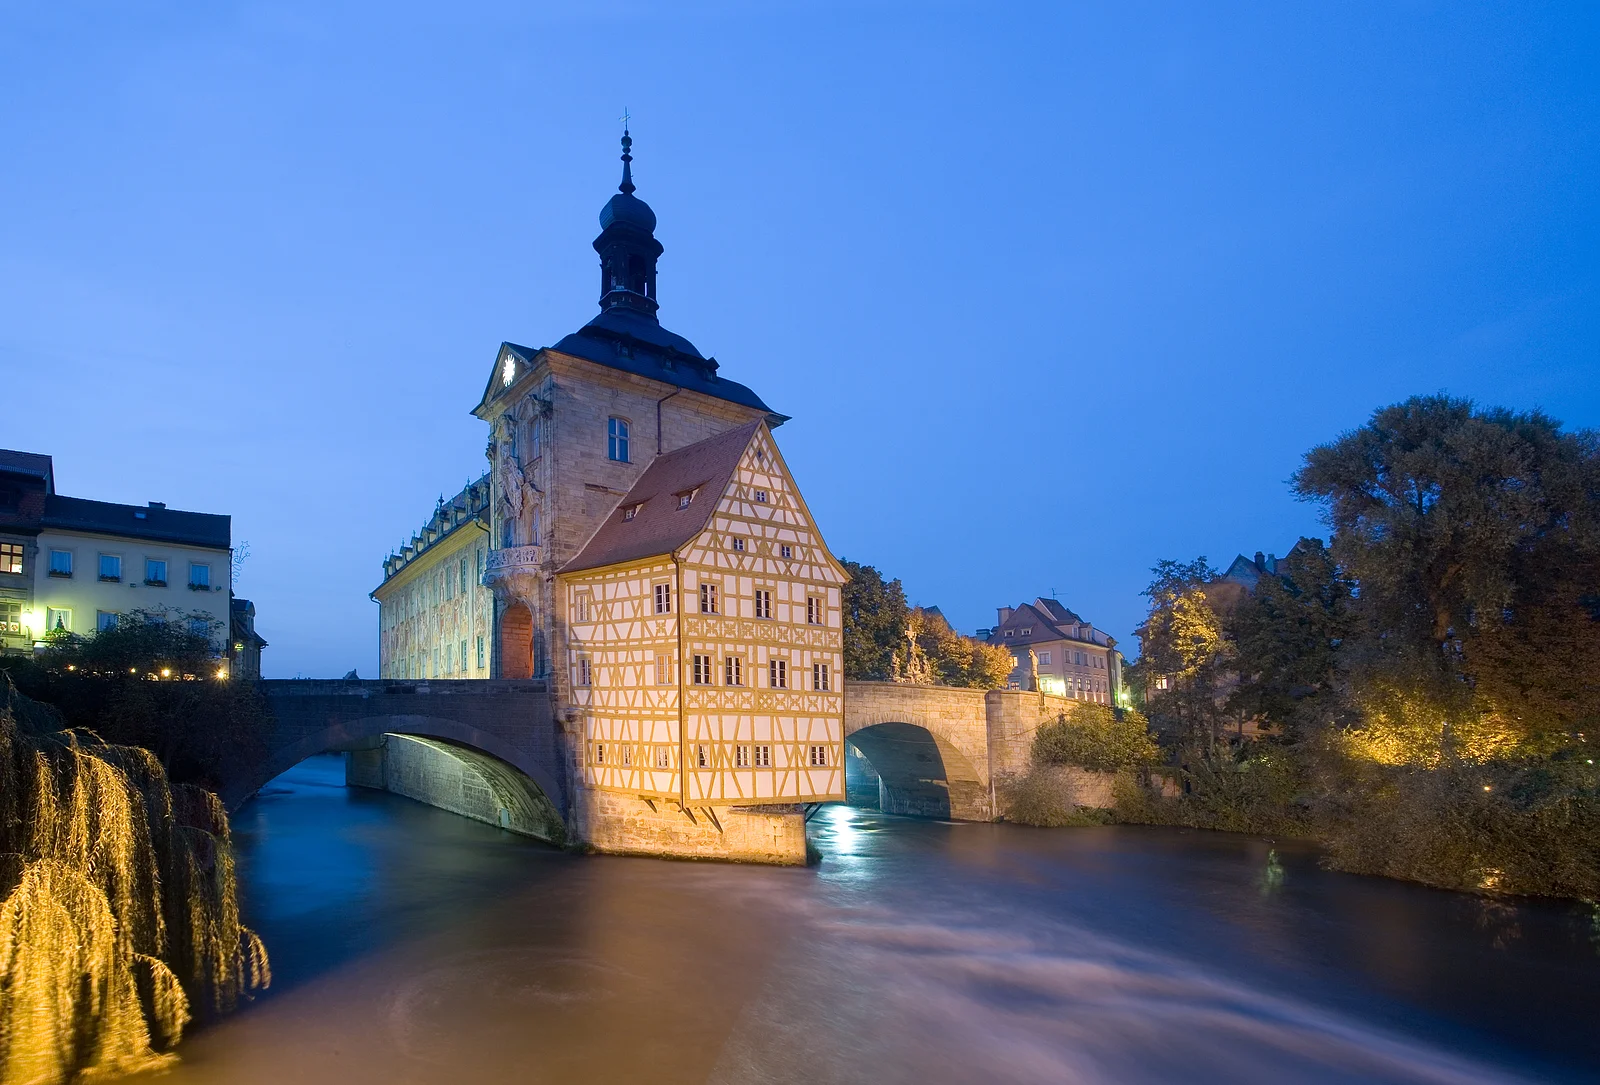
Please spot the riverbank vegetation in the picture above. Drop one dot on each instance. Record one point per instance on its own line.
(119, 917)
(1421, 693)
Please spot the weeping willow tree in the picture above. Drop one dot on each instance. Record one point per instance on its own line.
(119, 916)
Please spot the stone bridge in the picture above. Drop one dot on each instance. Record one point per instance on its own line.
(486, 749)
(936, 751)
(493, 750)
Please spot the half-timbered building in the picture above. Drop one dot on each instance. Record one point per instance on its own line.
(705, 635)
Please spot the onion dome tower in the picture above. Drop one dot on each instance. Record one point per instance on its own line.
(627, 246)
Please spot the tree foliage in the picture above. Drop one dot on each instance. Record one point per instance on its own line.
(1098, 737)
(875, 617)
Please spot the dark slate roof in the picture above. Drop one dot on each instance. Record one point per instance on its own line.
(1053, 610)
(31, 464)
(634, 343)
(660, 527)
(138, 521)
(1045, 617)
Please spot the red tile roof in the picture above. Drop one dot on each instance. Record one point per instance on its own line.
(659, 526)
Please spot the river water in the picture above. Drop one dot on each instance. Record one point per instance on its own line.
(411, 945)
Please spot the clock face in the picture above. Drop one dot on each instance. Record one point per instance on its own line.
(509, 373)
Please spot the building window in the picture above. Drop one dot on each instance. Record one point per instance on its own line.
(110, 567)
(763, 603)
(1044, 659)
(741, 757)
(199, 576)
(663, 598)
(581, 607)
(584, 671)
(1028, 630)
(508, 535)
(200, 627)
(61, 563)
(617, 439)
(10, 557)
(630, 512)
(58, 618)
(463, 576)
(708, 598)
(480, 565)
(786, 551)
(685, 498)
(480, 653)
(599, 753)
(663, 757)
(627, 757)
(819, 757)
(778, 674)
(701, 670)
(155, 573)
(763, 757)
(105, 619)
(813, 610)
(463, 656)
(1010, 632)
(733, 671)
(700, 758)
(738, 544)
(761, 497)
(663, 670)
(819, 676)
(10, 618)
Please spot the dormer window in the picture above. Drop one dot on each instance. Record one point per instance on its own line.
(684, 498)
(631, 511)
(1010, 632)
(1028, 630)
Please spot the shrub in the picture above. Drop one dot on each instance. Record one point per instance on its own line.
(1096, 737)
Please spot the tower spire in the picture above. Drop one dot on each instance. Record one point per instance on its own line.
(627, 157)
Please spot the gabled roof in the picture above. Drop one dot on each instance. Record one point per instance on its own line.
(153, 521)
(1054, 611)
(1045, 619)
(659, 526)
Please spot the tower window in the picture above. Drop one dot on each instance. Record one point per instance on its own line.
(617, 439)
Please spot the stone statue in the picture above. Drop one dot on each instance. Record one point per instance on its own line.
(508, 474)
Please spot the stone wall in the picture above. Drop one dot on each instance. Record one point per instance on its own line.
(624, 825)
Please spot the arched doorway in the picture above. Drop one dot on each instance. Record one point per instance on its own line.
(516, 642)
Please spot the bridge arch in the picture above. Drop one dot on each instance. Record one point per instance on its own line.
(919, 772)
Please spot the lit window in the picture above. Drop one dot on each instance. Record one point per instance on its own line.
(58, 619)
(763, 757)
(778, 674)
(10, 557)
(700, 670)
(700, 758)
(708, 599)
(761, 497)
(733, 671)
(617, 440)
(105, 619)
(663, 598)
(663, 670)
(786, 551)
(741, 757)
(584, 671)
(813, 610)
(155, 573)
(738, 544)
(1044, 659)
(819, 756)
(61, 563)
(10, 618)
(199, 576)
(819, 676)
(763, 603)
(663, 757)
(110, 567)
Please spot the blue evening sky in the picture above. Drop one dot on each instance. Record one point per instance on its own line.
(1051, 291)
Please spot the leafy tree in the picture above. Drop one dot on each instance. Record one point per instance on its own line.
(1473, 536)
(875, 620)
(1287, 637)
(938, 654)
(1185, 658)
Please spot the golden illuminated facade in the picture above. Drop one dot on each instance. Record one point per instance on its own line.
(704, 628)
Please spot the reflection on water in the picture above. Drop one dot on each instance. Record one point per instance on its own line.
(411, 945)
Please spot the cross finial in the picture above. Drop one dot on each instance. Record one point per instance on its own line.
(625, 118)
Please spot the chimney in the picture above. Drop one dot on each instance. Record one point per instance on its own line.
(158, 504)
(1261, 560)
(1005, 613)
